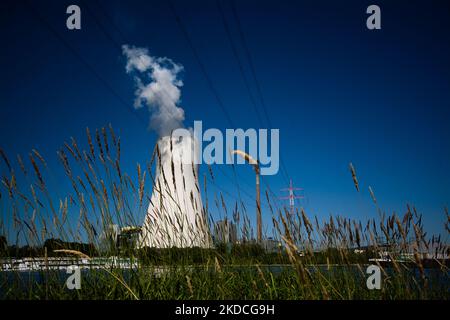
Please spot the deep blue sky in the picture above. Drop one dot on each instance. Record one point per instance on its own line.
(338, 92)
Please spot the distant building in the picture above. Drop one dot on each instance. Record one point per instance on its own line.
(128, 237)
(271, 245)
(114, 237)
(225, 231)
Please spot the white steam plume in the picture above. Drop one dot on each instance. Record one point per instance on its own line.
(158, 87)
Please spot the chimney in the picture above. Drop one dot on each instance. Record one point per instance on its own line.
(175, 216)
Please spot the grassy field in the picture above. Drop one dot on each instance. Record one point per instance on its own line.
(188, 283)
(316, 260)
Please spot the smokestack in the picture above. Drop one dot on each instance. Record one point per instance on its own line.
(175, 214)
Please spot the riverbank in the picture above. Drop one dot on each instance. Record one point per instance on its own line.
(215, 281)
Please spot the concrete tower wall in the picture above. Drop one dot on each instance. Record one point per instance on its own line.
(175, 216)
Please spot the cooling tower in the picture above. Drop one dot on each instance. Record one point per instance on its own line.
(175, 216)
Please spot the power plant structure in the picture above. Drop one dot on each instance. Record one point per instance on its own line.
(256, 167)
(175, 216)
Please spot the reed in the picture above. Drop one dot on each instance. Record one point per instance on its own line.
(316, 259)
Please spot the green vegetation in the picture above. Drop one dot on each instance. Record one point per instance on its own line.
(15, 251)
(315, 259)
(233, 254)
(187, 283)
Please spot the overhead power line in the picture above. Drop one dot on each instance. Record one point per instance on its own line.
(88, 66)
(200, 63)
(238, 60)
(255, 78)
(118, 46)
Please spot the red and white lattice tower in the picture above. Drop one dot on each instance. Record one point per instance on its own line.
(291, 197)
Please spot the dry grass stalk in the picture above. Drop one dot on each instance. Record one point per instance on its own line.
(355, 179)
(5, 159)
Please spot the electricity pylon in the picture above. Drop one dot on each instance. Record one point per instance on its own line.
(291, 196)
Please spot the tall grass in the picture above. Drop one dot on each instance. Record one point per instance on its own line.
(316, 260)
